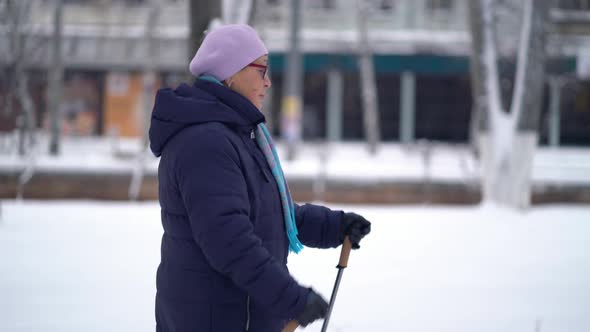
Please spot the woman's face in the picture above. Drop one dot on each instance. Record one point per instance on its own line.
(252, 81)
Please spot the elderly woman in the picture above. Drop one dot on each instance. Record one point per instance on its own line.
(228, 217)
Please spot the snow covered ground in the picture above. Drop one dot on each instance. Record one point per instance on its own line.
(344, 160)
(90, 266)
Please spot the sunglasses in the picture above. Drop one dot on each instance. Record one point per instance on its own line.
(265, 69)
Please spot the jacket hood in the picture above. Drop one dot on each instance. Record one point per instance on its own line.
(203, 102)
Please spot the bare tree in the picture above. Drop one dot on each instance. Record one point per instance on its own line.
(16, 19)
(149, 71)
(201, 14)
(149, 83)
(477, 69)
(508, 141)
(367, 73)
(56, 73)
(292, 100)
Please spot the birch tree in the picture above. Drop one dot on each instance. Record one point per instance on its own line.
(509, 138)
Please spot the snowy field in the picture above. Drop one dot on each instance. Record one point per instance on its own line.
(345, 160)
(90, 266)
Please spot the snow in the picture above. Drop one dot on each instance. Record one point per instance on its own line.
(347, 161)
(90, 266)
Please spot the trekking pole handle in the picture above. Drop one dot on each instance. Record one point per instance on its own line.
(291, 326)
(345, 253)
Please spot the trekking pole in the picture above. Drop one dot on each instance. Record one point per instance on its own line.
(344, 254)
(291, 326)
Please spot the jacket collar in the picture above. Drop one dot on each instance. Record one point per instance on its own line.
(233, 100)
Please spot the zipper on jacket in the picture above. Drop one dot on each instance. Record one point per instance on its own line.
(248, 313)
(264, 176)
(261, 164)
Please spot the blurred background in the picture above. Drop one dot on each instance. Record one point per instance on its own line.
(460, 128)
(400, 80)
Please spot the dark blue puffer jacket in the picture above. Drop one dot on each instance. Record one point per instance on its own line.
(224, 248)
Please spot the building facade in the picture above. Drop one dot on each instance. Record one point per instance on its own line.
(116, 53)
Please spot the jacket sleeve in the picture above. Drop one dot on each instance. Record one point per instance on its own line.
(318, 226)
(215, 195)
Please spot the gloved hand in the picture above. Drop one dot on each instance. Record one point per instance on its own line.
(315, 308)
(355, 227)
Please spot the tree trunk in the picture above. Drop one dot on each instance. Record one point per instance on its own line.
(527, 99)
(201, 13)
(368, 86)
(479, 110)
(253, 12)
(507, 154)
(56, 80)
(150, 81)
(149, 71)
(534, 71)
(29, 120)
(292, 102)
(26, 121)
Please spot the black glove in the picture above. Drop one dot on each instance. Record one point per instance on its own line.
(315, 308)
(355, 227)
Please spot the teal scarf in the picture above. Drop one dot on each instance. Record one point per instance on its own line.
(265, 143)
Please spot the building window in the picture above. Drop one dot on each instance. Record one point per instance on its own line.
(440, 4)
(574, 4)
(320, 4)
(386, 5)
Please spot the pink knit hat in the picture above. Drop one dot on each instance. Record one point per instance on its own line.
(227, 50)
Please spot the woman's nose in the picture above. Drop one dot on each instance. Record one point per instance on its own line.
(267, 82)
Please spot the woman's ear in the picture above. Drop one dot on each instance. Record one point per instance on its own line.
(228, 82)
